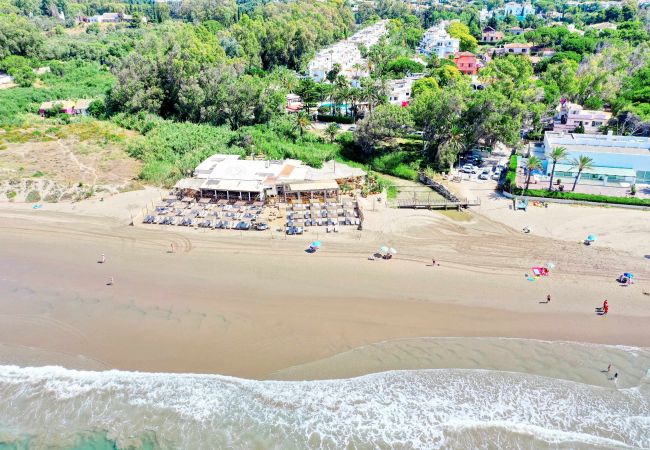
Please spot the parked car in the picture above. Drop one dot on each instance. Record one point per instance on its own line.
(485, 175)
(294, 230)
(468, 168)
(243, 226)
(262, 226)
(352, 128)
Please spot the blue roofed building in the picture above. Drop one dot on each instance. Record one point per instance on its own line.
(621, 160)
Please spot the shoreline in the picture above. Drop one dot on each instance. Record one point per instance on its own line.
(252, 306)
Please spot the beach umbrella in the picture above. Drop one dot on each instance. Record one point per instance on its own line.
(315, 244)
(392, 251)
(628, 274)
(550, 265)
(383, 250)
(592, 237)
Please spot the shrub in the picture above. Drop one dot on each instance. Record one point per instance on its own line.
(33, 196)
(511, 178)
(337, 119)
(584, 197)
(11, 195)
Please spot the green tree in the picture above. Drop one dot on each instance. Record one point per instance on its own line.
(460, 31)
(19, 37)
(440, 116)
(302, 122)
(402, 66)
(559, 80)
(534, 163)
(557, 154)
(385, 122)
(581, 163)
(426, 84)
(332, 130)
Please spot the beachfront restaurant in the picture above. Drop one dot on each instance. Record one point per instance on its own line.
(227, 177)
(616, 160)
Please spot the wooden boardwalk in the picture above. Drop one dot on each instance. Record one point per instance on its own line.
(435, 204)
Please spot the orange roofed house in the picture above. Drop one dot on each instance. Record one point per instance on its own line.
(466, 62)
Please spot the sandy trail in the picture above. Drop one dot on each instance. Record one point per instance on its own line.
(253, 304)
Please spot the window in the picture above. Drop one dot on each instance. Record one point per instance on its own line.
(643, 176)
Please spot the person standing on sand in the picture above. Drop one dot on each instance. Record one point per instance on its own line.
(433, 262)
(172, 244)
(548, 298)
(103, 259)
(609, 368)
(110, 282)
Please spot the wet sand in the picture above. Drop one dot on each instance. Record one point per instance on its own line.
(252, 305)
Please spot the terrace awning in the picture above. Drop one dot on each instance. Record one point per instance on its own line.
(598, 170)
(315, 186)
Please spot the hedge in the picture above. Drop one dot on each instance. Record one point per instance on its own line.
(583, 197)
(337, 119)
(511, 177)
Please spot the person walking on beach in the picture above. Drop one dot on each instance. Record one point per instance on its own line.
(110, 282)
(605, 307)
(609, 368)
(102, 260)
(433, 262)
(172, 245)
(548, 298)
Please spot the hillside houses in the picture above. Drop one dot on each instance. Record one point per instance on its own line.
(400, 91)
(346, 55)
(490, 35)
(437, 41)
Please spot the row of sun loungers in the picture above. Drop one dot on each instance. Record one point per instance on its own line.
(328, 214)
(201, 223)
(203, 214)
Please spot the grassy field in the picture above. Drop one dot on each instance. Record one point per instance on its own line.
(52, 161)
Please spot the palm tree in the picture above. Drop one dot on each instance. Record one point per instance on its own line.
(302, 121)
(581, 162)
(331, 131)
(534, 163)
(450, 149)
(557, 154)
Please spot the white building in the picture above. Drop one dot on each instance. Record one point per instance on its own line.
(570, 116)
(615, 159)
(229, 177)
(400, 91)
(518, 9)
(347, 55)
(437, 41)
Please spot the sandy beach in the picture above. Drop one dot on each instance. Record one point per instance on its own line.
(254, 304)
(245, 340)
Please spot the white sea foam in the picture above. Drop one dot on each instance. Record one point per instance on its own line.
(421, 409)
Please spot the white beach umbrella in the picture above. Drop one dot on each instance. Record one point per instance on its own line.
(392, 251)
(383, 250)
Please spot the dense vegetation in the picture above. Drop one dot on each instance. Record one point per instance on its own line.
(212, 76)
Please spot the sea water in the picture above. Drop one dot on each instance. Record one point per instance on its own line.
(57, 408)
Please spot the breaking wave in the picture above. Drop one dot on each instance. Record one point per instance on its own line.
(51, 407)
